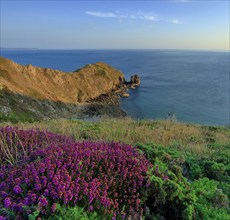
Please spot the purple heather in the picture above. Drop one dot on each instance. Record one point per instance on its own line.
(7, 202)
(17, 189)
(58, 168)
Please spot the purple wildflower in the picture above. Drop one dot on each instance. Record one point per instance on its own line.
(1, 175)
(42, 202)
(110, 174)
(17, 189)
(7, 202)
(33, 197)
(26, 201)
(37, 186)
(46, 192)
(3, 194)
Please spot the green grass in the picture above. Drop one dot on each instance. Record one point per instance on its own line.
(16, 118)
(195, 139)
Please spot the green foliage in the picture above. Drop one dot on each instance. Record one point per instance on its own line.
(75, 213)
(176, 197)
(198, 168)
(15, 118)
(220, 152)
(211, 203)
(195, 170)
(7, 212)
(214, 170)
(165, 154)
(88, 129)
(225, 187)
(169, 194)
(34, 215)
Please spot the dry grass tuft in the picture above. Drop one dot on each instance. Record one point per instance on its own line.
(187, 137)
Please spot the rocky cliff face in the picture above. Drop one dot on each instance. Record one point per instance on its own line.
(48, 84)
(48, 93)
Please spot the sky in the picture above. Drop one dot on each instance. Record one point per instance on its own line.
(165, 24)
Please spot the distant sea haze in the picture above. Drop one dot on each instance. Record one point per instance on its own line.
(193, 85)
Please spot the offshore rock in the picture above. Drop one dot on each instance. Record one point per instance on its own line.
(135, 81)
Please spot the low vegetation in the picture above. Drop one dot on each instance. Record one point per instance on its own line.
(114, 169)
(201, 141)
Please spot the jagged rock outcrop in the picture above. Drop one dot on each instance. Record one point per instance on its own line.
(135, 81)
(120, 91)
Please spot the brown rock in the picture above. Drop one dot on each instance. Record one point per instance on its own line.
(125, 95)
(68, 87)
(135, 80)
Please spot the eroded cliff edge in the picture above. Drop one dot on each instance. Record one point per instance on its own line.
(46, 93)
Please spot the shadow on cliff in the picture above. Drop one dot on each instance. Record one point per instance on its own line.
(25, 108)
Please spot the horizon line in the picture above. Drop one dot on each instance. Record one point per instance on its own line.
(33, 48)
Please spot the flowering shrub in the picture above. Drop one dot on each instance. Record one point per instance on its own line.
(103, 177)
(17, 144)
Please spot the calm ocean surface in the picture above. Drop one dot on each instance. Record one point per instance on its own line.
(194, 85)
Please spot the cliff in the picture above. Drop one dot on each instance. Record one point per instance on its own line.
(48, 84)
(49, 93)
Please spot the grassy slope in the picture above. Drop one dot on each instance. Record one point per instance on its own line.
(196, 139)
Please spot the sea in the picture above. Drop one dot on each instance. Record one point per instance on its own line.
(192, 85)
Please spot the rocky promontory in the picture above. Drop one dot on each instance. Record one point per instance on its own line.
(48, 93)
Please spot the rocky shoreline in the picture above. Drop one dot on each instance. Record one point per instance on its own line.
(36, 93)
(108, 104)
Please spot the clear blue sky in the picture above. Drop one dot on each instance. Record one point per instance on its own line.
(175, 24)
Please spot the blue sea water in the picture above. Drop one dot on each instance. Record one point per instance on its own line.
(194, 85)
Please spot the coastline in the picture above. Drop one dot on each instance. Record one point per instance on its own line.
(95, 110)
(93, 90)
(191, 92)
(108, 104)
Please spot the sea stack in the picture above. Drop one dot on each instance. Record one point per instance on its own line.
(134, 81)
